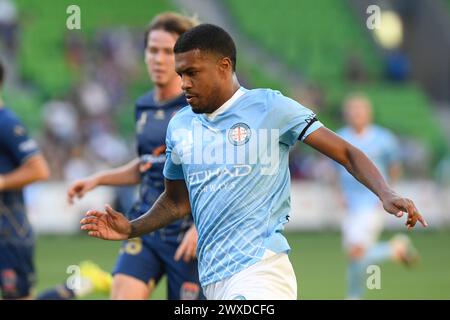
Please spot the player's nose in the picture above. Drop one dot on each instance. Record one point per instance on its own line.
(186, 84)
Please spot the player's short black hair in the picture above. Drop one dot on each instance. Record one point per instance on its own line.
(209, 38)
(2, 73)
(171, 22)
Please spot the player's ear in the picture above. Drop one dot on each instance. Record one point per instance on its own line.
(225, 64)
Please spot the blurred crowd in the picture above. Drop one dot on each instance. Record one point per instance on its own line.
(80, 134)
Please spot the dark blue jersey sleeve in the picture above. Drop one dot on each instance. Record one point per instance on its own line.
(14, 140)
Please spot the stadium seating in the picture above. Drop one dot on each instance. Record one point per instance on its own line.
(318, 39)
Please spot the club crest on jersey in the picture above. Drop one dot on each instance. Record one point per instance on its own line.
(19, 131)
(160, 115)
(239, 134)
(189, 291)
(141, 122)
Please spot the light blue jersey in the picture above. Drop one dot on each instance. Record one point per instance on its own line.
(236, 170)
(380, 145)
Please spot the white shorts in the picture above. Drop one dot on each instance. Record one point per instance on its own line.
(272, 278)
(362, 229)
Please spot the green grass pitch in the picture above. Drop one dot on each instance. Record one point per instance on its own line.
(317, 259)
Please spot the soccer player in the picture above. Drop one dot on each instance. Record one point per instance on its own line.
(227, 162)
(144, 260)
(363, 223)
(21, 164)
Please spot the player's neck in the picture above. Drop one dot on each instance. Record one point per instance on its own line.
(229, 92)
(360, 131)
(167, 92)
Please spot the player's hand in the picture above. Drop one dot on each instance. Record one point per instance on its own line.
(397, 205)
(188, 246)
(80, 187)
(108, 225)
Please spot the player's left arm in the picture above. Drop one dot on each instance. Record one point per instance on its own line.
(363, 169)
(33, 169)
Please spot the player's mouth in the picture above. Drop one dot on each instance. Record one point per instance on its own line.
(158, 72)
(190, 98)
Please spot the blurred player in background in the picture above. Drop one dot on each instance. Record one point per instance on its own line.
(21, 164)
(364, 220)
(171, 251)
(240, 203)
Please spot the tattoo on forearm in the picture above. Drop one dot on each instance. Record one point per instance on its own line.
(160, 215)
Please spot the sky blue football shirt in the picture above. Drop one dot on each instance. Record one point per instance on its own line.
(236, 171)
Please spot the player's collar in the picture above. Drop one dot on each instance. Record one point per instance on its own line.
(366, 132)
(226, 105)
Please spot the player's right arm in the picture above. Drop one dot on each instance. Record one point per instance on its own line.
(31, 166)
(127, 174)
(173, 204)
(33, 169)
